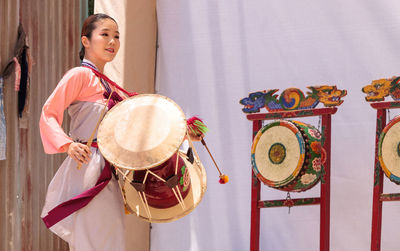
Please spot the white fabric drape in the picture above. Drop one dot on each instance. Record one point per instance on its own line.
(213, 53)
(133, 68)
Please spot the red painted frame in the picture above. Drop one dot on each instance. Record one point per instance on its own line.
(323, 200)
(378, 196)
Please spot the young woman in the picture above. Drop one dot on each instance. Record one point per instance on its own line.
(84, 205)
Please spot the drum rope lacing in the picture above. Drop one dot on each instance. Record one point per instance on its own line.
(142, 194)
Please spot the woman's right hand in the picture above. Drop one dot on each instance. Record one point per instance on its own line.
(79, 152)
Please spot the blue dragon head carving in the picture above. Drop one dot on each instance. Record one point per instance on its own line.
(257, 100)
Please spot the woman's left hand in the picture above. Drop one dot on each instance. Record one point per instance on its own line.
(195, 137)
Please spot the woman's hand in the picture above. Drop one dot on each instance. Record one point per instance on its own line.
(194, 137)
(79, 152)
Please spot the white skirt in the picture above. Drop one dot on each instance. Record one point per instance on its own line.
(100, 224)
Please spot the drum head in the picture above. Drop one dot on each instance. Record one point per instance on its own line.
(198, 186)
(278, 153)
(141, 132)
(389, 150)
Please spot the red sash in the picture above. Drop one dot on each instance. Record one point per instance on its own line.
(100, 75)
(67, 208)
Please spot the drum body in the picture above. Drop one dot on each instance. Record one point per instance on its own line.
(163, 205)
(158, 192)
(389, 150)
(286, 155)
(141, 137)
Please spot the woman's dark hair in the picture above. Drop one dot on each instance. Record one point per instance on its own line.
(88, 26)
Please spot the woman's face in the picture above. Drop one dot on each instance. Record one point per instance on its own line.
(104, 42)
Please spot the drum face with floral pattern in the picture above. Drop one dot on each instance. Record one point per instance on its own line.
(286, 155)
(389, 150)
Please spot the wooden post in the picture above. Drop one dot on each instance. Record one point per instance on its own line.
(255, 197)
(325, 184)
(378, 186)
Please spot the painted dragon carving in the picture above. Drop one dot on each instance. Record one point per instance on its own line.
(381, 88)
(293, 99)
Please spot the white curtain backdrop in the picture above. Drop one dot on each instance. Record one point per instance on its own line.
(213, 53)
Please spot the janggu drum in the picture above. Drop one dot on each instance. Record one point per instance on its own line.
(141, 137)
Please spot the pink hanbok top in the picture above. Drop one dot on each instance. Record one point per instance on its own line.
(78, 84)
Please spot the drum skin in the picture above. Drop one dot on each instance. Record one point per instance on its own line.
(141, 132)
(286, 155)
(389, 150)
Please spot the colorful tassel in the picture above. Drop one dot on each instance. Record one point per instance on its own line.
(197, 126)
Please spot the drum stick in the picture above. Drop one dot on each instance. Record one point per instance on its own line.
(208, 150)
(223, 179)
(90, 141)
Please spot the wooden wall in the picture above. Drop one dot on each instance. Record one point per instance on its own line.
(53, 33)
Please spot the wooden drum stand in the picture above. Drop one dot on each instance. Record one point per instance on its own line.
(280, 109)
(377, 91)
